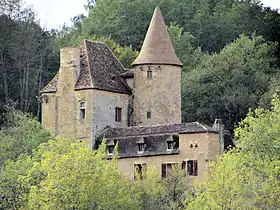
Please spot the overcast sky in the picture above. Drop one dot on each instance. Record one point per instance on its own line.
(54, 13)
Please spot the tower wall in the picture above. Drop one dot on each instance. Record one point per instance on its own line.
(160, 95)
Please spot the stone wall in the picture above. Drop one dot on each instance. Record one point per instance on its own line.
(103, 110)
(161, 95)
(207, 150)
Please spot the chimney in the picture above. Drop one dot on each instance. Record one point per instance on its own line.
(219, 126)
(70, 60)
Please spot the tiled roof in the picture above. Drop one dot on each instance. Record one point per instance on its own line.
(99, 69)
(155, 138)
(51, 87)
(157, 47)
(191, 127)
(103, 68)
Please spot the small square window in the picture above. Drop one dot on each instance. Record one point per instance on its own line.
(118, 114)
(170, 145)
(141, 147)
(149, 115)
(149, 74)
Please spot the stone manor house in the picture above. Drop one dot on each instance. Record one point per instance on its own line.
(93, 96)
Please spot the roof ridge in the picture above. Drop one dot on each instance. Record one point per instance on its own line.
(87, 60)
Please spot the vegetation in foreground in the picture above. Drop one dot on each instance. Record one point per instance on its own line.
(62, 174)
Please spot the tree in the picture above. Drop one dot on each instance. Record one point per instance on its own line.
(25, 56)
(65, 174)
(228, 84)
(21, 134)
(246, 177)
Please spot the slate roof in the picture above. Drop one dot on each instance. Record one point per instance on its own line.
(99, 69)
(51, 87)
(154, 137)
(190, 127)
(157, 47)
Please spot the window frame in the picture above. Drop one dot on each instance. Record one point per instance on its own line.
(149, 74)
(192, 167)
(149, 115)
(165, 167)
(118, 114)
(82, 110)
(110, 149)
(140, 168)
(141, 147)
(170, 143)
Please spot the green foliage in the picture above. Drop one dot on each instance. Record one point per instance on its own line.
(26, 56)
(21, 134)
(64, 175)
(246, 177)
(214, 23)
(156, 193)
(227, 84)
(125, 54)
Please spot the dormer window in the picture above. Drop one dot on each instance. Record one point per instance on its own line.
(110, 149)
(82, 110)
(170, 145)
(141, 147)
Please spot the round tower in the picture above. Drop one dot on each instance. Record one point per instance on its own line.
(157, 78)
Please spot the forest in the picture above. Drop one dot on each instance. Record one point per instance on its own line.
(231, 55)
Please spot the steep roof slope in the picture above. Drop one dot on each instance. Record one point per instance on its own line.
(157, 47)
(99, 69)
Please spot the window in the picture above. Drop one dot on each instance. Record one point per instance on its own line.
(139, 170)
(141, 147)
(165, 167)
(110, 149)
(192, 167)
(118, 114)
(149, 74)
(170, 145)
(82, 110)
(149, 114)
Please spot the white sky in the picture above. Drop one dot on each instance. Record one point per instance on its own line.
(54, 13)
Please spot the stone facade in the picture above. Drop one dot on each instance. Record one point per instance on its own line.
(93, 96)
(160, 95)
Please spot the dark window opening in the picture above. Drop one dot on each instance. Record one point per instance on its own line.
(149, 115)
(118, 114)
(191, 146)
(167, 167)
(82, 113)
(139, 170)
(170, 145)
(149, 74)
(141, 147)
(192, 167)
(110, 149)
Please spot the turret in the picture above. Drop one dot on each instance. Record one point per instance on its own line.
(157, 78)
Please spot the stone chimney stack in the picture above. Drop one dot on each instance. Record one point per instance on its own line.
(218, 125)
(70, 59)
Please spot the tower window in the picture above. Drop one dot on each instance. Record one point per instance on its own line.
(149, 74)
(118, 114)
(192, 167)
(149, 114)
(82, 111)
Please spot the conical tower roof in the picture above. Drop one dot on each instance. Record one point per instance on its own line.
(157, 47)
